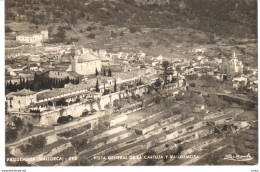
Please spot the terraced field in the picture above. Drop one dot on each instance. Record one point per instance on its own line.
(162, 138)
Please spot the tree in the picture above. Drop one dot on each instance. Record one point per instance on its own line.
(11, 134)
(7, 29)
(64, 119)
(91, 36)
(37, 142)
(133, 29)
(96, 72)
(11, 86)
(157, 83)
(115, 87)
(73, 18)
(113, 34)
(67, 80)
(104, 72)
(165, 65)
(146, 44)
(21, 83)
(61, 33)
(30, 127)
(97, 87)
(18, 123)
(139, 82)
(215, 101)
(178, 71)
(109, 72)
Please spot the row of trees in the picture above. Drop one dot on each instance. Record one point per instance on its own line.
(40, 83)
(104, 72)
(115, 86)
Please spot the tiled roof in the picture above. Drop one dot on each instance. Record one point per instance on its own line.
(61, 91)
(87, 57)
(74, 74)
(24, 92)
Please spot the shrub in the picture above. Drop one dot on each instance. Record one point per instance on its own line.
(64, 119)
(11, 134)
(34, 144)
(89, 28)
(38, 142)
(7, 29)
(145, 44)
(91, 36)
(192, 84)
(133, 29)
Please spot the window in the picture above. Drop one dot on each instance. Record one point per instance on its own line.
(19, 102)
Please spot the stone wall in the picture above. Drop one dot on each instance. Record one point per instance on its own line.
(75, 110)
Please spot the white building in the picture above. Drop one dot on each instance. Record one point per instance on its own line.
(33, 38)
(233, 66)
(16, 101)
(86, 64)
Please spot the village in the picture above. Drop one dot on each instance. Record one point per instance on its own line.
(87, 105)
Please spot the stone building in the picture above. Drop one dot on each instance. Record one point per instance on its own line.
(86, 64)
(232, 66)
(36, 38)
(16, 101)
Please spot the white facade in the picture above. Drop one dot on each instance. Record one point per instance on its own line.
(236, 65)
(86, 64)
(33, 38)
(20, 99)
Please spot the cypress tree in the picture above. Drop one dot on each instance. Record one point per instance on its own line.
(55, 83)
(97, 86)
(109, 72)
(47, 84)
(15, 87)
(31, 85)
(21, 83)
(67, 80)
(50, 83)
(62, 83)
(11, 86)
(6, 86)
(77, 80)
(96, 72)
(115, 89)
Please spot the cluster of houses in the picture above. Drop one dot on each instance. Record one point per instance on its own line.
(62, 62)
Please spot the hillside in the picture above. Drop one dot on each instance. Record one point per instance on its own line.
(157, 27)
(223, 17)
